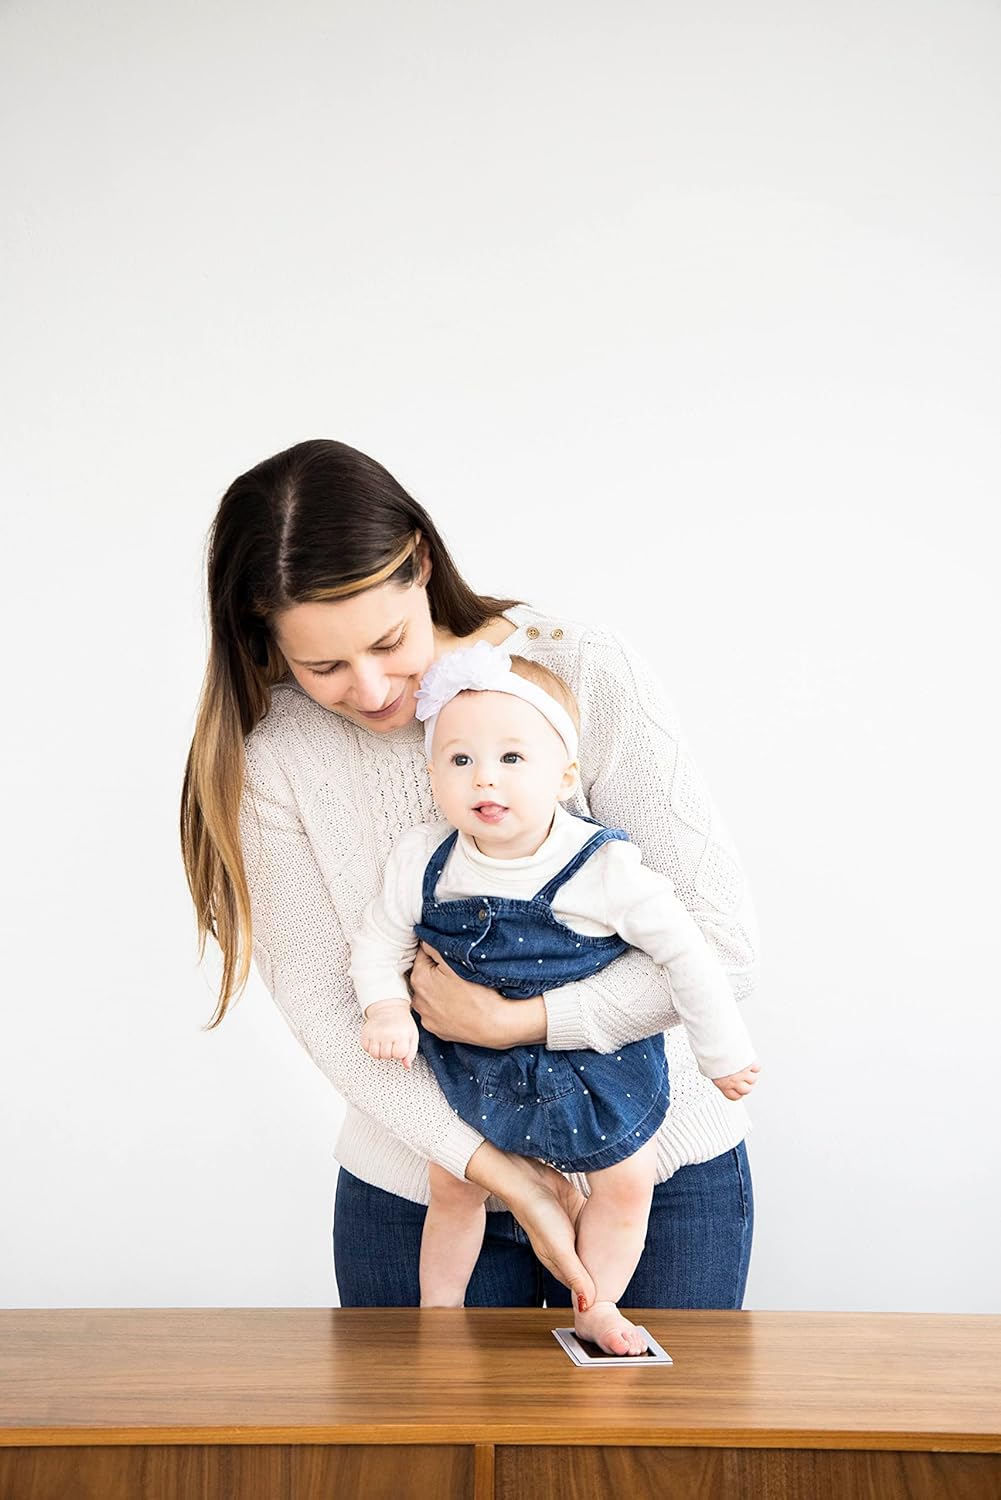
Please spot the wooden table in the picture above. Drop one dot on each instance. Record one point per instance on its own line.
(274, 1403)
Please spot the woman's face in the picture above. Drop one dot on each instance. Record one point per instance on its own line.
(364, 656)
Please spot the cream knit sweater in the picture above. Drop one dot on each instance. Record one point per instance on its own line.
(324, 801)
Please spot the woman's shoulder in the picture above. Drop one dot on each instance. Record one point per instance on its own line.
(584, 652)
(605, 669)
(551, 633)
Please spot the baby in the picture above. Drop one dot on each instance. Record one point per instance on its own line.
(522, 896)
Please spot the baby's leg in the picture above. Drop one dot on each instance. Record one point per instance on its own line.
(453, 1235)
(611, 1233)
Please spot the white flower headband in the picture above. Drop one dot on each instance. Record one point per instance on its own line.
(485, 668)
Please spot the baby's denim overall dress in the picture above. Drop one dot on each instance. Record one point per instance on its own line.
(579, 1111)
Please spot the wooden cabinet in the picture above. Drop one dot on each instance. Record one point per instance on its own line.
(303, 1404)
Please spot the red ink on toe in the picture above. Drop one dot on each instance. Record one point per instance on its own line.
(581, 1302)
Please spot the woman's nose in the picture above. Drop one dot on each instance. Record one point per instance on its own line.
(371, 688)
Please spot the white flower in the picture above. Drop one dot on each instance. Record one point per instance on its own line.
(483, 667)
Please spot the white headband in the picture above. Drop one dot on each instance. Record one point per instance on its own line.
(486, 669)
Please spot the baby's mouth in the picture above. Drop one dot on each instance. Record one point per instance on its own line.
(490, 812)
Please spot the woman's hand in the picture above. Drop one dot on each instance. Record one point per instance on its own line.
(546, 1206)
(457, 1011)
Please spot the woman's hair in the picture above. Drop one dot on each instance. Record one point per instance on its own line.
(319, 521)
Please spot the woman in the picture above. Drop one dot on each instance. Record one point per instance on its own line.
(330, 593)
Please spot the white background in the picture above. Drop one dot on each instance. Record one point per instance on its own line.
(680, 318)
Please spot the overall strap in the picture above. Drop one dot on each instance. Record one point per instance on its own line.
(603, 836)
(436, 864)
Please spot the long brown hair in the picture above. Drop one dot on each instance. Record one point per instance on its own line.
(318, 521)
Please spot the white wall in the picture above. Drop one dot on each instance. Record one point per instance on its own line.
(683, 318)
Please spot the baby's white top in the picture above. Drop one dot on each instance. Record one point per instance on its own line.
(325, 802)
(613, 891)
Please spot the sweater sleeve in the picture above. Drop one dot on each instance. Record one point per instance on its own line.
(302, 955)
(637, 774)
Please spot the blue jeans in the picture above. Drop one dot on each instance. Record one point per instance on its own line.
(698, 1246)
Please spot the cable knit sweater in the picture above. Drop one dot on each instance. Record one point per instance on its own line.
(324, 801)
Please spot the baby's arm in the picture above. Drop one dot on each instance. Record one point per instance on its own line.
(383, 949)
(637, 774)
(643, 908)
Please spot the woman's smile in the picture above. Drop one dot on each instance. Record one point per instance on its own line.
(382, 713)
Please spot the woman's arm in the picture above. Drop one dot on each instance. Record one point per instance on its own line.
(303, 957)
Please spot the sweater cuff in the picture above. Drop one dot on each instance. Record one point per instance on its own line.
(565, 1030)
(456, 1147)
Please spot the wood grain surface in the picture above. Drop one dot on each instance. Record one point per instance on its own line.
(227, 1472)
(764, 1473)
(385, 1472)
(360, 1376)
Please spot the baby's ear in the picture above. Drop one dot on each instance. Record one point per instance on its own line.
(570, 782)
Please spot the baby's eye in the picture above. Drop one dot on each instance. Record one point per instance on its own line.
(511, 756)
(460, 760)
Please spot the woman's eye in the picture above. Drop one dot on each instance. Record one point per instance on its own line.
(510, 758)
(460, 760)
(326, 671)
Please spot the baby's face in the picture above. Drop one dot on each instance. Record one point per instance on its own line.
(498, 770)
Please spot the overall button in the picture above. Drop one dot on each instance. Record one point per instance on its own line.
(557, 635)
(482, 914)
(532, 631)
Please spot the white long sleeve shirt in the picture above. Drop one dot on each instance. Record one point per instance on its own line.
(612, 892)
(324, 803)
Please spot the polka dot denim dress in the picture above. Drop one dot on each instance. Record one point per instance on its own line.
(579, 1111)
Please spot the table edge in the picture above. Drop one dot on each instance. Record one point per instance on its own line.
(453, 1435)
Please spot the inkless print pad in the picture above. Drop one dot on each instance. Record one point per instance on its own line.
(590, 1356)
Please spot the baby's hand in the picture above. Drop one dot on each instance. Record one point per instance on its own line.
(736, 1085)
(390, 1031)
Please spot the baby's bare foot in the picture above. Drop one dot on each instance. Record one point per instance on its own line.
(605, 1326)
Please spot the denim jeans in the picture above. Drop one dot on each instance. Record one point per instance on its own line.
(697, 1250)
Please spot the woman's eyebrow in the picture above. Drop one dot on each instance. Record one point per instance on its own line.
(330, 660)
